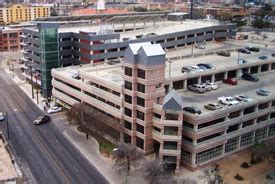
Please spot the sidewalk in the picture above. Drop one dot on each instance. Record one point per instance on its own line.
(89, 148)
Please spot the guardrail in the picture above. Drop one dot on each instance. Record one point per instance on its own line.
(199, 54)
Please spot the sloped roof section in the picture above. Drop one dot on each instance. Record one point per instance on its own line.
(153, 50)
(134, 47)
(172, 101)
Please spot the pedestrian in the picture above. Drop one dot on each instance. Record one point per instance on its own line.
(87, 136)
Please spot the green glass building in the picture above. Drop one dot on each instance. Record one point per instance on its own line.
(48, 40)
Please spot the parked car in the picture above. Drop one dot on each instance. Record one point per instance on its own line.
(273, 55)
(263, 92)
(245, 51)
(242, 61)
(126, 39)
(250, 77)
(185, 69)
(206, 65)
(253, 49)
(54, 109)
(223, 53)
(231, 81)
(196, 68)
(42, 119)
(213, 106)
(211, 85)
(228, 100)
(2, 117)
(76, 76)
(243, 98)
(151, 34)
(200, 46)
(263, 57)
(197, 88)
(113, 62)
(203, 68)
(192, 109)
(140, 36)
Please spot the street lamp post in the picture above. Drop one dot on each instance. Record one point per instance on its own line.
(7, 121)
(32, 82)
(238, 57)
(36, 75)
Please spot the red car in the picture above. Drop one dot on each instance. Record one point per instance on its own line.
(231, 81)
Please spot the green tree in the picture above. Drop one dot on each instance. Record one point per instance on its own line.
(225, 16)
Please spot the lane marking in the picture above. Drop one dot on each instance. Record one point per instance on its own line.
(75, 169)
(45, 174)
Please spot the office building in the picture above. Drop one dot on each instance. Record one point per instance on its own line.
(10, 39)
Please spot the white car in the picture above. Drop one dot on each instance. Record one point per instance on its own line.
(211, 85)
(243, 98)
(228, 100)
(2, 117)
(195, 69)
(54, 109)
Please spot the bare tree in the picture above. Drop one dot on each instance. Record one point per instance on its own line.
(213, 174)
(127, 157)
(99, 123)
(154, 171)
(186, 181)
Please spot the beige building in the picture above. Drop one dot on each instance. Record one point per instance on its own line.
(22, 13)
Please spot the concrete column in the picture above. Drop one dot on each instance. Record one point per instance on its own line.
(194, 142)
(249, 69)
(199, 80)
(193, 160)
(134, 26)
(213, 78)
(259, 69)
(223, 149)
(239, 73)
(176, 38)
(239, 143)
(269, 66)
(195, 127)
(124, 28)
(225, 75)
(185, 84)
(213, 39)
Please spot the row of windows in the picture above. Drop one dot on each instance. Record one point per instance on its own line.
(139, 141)
(140, 101)
(129, 72)
(140, 87)
(103, 88)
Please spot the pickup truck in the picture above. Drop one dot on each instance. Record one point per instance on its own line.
(228, 100)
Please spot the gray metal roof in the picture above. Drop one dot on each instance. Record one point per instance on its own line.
(134, 47)
(153, 50)
(172, 101)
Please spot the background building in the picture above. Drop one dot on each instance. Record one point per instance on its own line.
(10, 39)
(22, 13)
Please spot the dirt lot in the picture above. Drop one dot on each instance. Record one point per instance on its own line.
(256, 174)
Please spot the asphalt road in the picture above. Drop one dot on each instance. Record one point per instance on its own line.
(49, 155)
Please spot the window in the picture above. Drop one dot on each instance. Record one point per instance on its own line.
(271, 131)
(231, 145)
(262, 118)
(247, 139)
(210, 123)
(186, 138)
(140, 115)
(232, 128)
(127, 138)
(170, 145)
(128, 71)
(128, 112)
(248, 110)
(187, 124)
(272, 115)
(209, 137)
(127, 125)
(157, 129)
(128, 99)
(128, 85)
(141, 73)
(157, 115)
(234, 114)
(170, 130)
(263, 106)
(247, 123)
(140, 128)
(186, 157)
(261, 134)
(140, 101)
(141, 88)
(209, 154)
(140, 143)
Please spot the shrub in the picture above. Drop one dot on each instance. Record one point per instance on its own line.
(238, 177)
(245, 165)
(256, 160)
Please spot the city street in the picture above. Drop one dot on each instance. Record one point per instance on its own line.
(50, 157)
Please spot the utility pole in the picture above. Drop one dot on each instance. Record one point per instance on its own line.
(32, 82)
(13, 62)
(8, 130)
(36, 88)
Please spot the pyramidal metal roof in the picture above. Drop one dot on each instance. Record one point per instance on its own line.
(172, 101)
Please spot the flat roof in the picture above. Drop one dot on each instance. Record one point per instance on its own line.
(114, 73)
